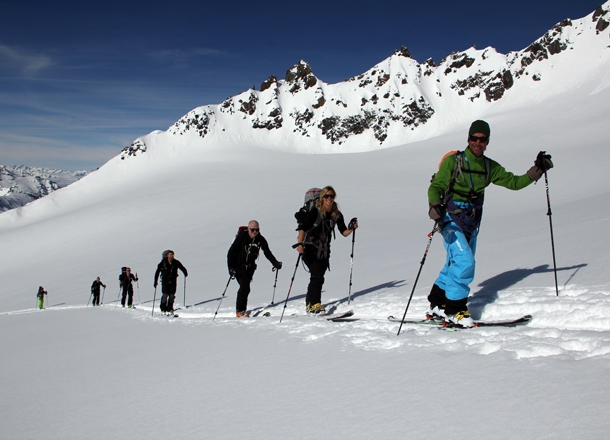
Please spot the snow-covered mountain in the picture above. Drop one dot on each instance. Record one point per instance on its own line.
(399, 100)
(21, 184)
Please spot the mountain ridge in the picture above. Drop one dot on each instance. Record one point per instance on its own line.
(22, 184)
(397, 101)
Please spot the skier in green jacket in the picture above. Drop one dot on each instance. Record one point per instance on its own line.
(455, 199)
(40, 295)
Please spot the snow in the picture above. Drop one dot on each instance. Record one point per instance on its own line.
(77, 372)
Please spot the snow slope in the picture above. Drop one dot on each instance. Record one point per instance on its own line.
(75, 372)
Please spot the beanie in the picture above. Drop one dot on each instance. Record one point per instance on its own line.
(479, 127)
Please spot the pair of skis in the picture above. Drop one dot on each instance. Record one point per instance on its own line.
(523, 320)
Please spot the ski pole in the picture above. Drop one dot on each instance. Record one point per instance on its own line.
(138, 285)
(274, 285)
(103, 294)
(550, 214)
(154, 298)
(89, 299)
(351, 268)
(117, 297)
(421, 265)
(223, 296)
(296, 266)
(184, 301)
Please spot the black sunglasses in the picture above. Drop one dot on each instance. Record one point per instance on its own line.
(254, 229)
(329, 196)
(483, 139)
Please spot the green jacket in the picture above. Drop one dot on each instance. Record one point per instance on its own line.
(498, 176)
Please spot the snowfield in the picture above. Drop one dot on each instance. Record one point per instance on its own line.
(77, 372)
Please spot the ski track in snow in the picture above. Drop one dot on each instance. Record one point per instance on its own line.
(562, 327)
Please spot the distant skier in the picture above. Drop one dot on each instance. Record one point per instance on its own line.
(168, 269)
(241, 260)
(315, 233)
(455, 199)
(40, 295)
(95, 291)
(126, 282)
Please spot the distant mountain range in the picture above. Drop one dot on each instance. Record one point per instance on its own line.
(397, 101)
(21, 184)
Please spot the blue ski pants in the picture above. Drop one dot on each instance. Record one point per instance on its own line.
(458, 271)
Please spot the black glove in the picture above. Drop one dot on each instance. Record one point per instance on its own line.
(155, 285)
(232, 272)
(543, 161)
(352, 222)
(278, 265)
(436, 212)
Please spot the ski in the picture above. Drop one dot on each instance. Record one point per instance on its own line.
(335, 317)
(339, 317)
(439, 323)
(261, 311)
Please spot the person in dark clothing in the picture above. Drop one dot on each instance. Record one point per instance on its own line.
(168, 269)
(314, 243)
(95, 291)
(125, 280)
(241, 260)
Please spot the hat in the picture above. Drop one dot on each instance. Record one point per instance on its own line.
(479, 127)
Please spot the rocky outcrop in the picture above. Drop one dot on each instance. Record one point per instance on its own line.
(398, 95)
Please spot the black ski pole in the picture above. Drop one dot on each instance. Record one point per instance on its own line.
(550, 214)
(421, 265)
(351, 268)
(274, 285)
(89, 299)
(222, 297)
(184, 301)
(296, 266)
(103, 293)
(154, 298)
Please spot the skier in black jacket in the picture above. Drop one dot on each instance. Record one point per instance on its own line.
(315, 234)
(241, 260)
(125, 281)
(168, 268)
(95, 291)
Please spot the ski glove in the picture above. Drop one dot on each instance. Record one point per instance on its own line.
(436, 211)
(543, 161)
(352, 223)
(232, 272)
(541, 164)
(278, 265)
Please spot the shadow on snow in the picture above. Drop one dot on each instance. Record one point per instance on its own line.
(488, 293)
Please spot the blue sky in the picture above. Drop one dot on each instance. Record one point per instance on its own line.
(80, 80)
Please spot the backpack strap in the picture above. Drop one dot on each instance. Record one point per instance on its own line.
(459, 170)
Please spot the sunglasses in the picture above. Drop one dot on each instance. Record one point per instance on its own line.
(254, 229)
(483, 139)
(329, 196)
